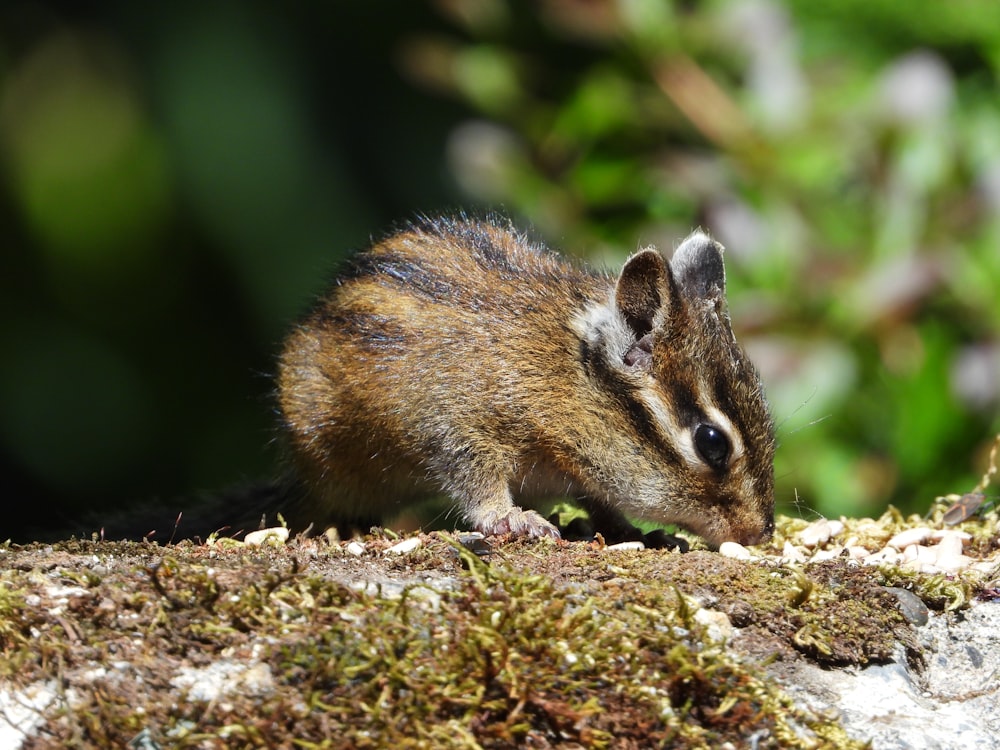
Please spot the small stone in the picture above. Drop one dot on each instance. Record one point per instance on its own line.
(476, 543)
(940, 534)
(907, 537)
(950, 546)
(626, 546)
(734, 550)
(913, 609)
(274, 535)
(952, 563)
(827, 554)
(791, 553)
(716, 623)
(856, 552)
(740, 613)
(921, 554)
(920, 558)
(820, 532)
(355, 548)
(405, 547)
(886, 555)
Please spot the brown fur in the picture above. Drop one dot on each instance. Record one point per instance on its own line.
(454, 357)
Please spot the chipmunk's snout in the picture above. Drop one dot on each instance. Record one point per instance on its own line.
(759, 537)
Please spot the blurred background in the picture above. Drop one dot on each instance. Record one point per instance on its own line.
(179, 180)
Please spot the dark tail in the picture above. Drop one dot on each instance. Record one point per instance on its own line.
(231, 512)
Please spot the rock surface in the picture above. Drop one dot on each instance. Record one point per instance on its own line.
(952, 700)
(808, 641)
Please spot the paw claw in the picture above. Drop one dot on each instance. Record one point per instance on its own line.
(520, 523)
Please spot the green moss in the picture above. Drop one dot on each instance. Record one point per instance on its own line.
(940, 592)
(539, 643)
(506, 657)
(14, 629)
(29, 641)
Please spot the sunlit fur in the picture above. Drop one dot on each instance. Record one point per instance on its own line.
(455, 357)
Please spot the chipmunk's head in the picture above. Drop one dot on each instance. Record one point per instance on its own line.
(690, 396)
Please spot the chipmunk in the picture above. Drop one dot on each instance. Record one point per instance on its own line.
(457, 358)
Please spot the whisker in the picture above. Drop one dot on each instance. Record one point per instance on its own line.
(797, 409)
(802, 508)
(810, 424)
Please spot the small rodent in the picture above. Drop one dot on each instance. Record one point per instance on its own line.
(457, 358)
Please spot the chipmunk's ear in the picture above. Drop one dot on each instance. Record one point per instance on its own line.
(643, 290)
(698, 269)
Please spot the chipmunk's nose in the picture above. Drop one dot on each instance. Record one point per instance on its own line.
(759, 537)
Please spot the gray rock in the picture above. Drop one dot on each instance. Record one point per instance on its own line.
(950, 701)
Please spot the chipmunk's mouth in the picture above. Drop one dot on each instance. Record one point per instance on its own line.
(717, 532)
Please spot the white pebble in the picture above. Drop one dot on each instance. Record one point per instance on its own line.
(827, 554)
(949, 545)
(909, 536)
(717, 625)
(356, 548)
(791, 553)
(950, 563)
(857, 553)
(734, 550)
(626, 546)
(820, 532)
(275, 535)
(885, 555)
(934, 559)
(941, 534)
(921, 554)
(405, 547)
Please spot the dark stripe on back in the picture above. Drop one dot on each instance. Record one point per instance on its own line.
(378, 333)
(479, 238)
(398, 270)
(489, 255)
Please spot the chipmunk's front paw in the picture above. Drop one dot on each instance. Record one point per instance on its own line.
(518, 522)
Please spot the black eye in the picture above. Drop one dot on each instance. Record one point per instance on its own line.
(712, 445)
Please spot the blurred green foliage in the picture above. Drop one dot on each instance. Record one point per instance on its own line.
(179, 179)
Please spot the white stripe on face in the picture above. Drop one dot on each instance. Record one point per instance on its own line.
(682, 436)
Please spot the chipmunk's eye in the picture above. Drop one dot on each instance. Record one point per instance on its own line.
(712, 445)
